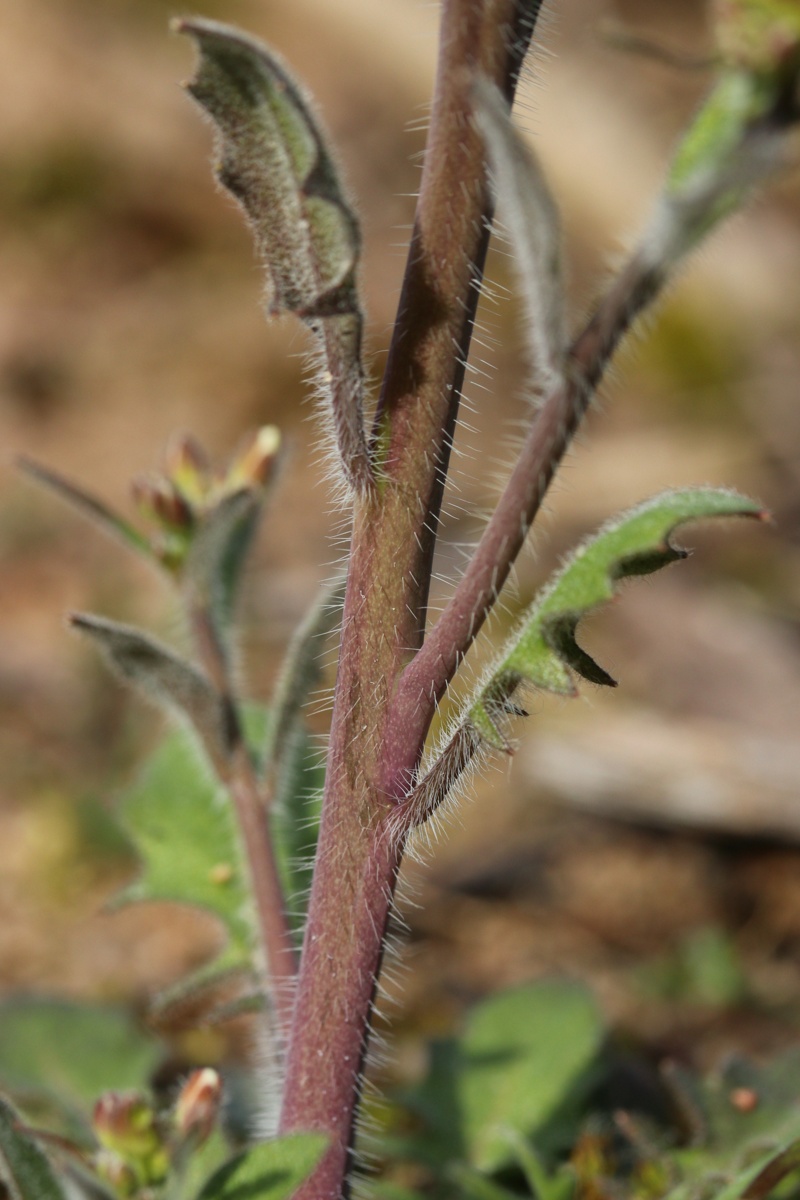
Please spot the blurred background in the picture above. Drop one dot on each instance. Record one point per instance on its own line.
(644, 839)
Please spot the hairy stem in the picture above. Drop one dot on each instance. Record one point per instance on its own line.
(361, 842)
(237, 773)
(427, 676)
(276, 938)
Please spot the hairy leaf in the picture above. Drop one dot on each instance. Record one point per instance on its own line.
(269, 1171)
(90, 506)
(163, 678)
(739, 138)
(749, 1114)
(62, 1054)
(218, 552)
(543, 651)
(294, 821)
(301, 670)
(530, 215)
(24, 1167)
(183, 828)
(276, 162)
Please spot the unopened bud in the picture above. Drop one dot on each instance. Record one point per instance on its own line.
(187, 465)
(125, 1123)
(116, 1172)
(253, 465)
(757, 34)
(198, 1104)
(159, 499)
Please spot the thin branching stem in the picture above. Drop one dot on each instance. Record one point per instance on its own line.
(427, 676)
(237, 773)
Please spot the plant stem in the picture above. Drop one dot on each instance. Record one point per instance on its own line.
(427, 676)
(361, 841)
(276, 937)
(237, 773)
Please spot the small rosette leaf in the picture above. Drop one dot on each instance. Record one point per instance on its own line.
(184, 831)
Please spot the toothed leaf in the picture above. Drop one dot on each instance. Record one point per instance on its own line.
(163, 678)
(543, 651)
(24, 1167)
(270, 1170)
(183, 827)
(275, 161)
(531, 218)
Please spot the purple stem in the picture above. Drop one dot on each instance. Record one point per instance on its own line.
(361, 839)
(425, 679)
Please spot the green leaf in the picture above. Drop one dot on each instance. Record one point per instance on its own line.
(473, 1185)
(523, 1064)
(532, 222)
(741, 135)
(183, 827)
(90, 506)
(269, 1171)
(754, 32)
(217, 555)
(163, 678)
(543, 651)
(275, 160)
(525, 1052)
(24, 1167)
(544, 1186)
(294, 822)
(68, 1053)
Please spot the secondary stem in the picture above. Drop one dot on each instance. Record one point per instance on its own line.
(427, 676)
(238, 775)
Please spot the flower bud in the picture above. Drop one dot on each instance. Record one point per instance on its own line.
(159, 499)
(198, 1104)
(188, 467)
(254, 464)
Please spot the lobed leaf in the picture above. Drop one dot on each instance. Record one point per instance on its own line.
(24, 1167)
(269, 1171)
(275, 160)
(184, 830)
(544, 651)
